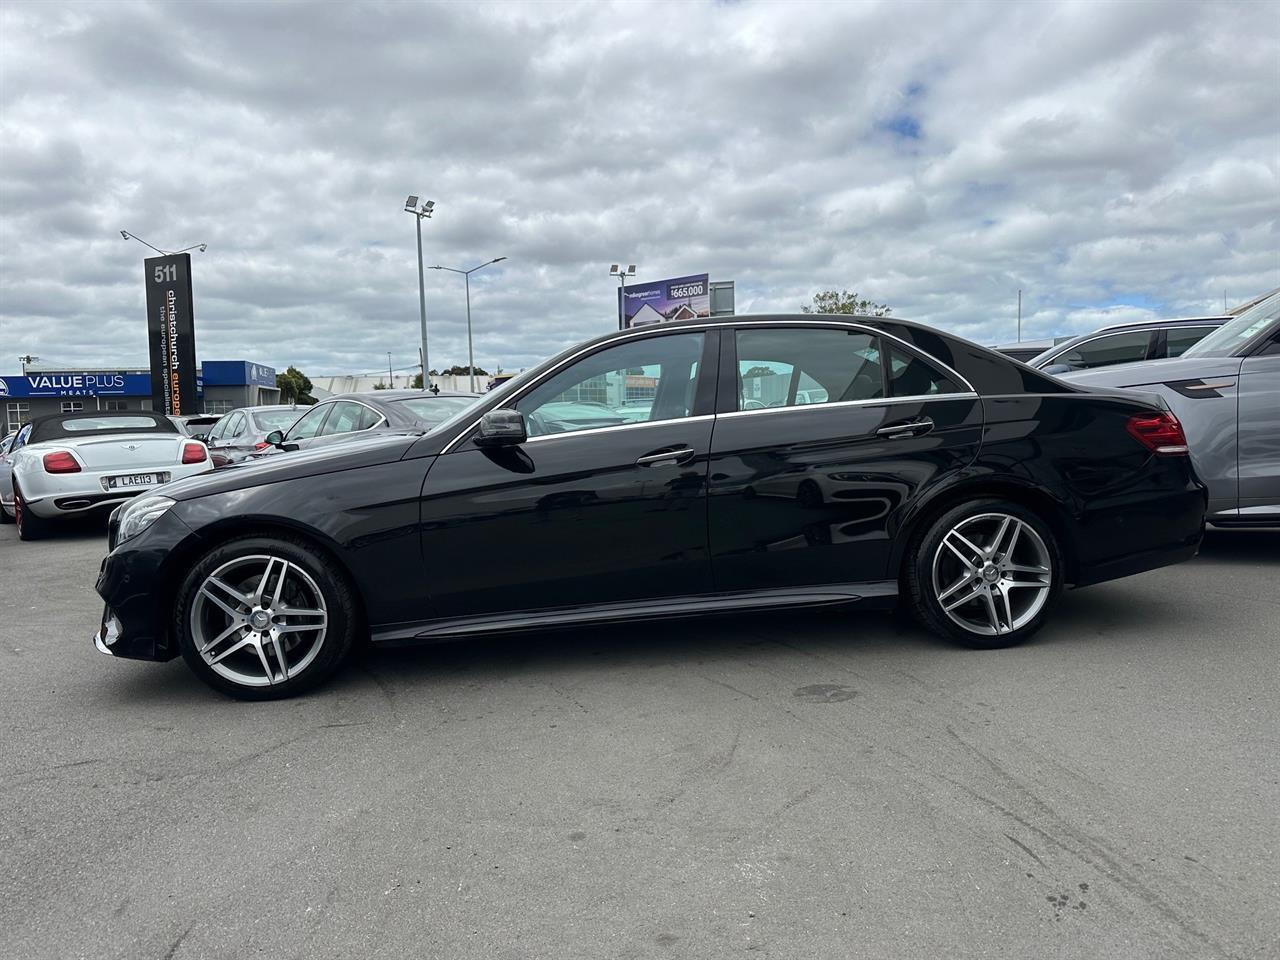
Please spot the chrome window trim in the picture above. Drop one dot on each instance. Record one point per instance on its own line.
(621, 337)
(727, 324)
(863, 328)
(873, 402)
(323, 403)
(1139, 326)
(593, 431)
(1074, 344)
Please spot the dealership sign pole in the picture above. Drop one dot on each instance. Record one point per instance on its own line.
(171, 334)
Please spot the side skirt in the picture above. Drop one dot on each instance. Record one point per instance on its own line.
(881, 594)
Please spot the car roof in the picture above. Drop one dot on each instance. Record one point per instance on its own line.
(399, 395)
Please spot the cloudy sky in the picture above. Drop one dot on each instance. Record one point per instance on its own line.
(1112, 160)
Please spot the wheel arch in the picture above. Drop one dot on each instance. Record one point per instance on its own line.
(1050, 508)
(184, 555)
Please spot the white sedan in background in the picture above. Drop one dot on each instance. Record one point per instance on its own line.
(75, 463)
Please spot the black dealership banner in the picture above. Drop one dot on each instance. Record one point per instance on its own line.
(171, 334)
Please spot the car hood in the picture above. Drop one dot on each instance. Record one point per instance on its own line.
(1153, 372)
(385, 448)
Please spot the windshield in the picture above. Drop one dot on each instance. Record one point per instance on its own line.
(276, 419)
(1234, 334)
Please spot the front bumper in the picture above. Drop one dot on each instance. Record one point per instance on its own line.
(134, 583)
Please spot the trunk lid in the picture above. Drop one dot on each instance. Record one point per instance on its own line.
(134, 452)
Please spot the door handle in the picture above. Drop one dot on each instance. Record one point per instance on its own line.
(908, 428)
(665, 457)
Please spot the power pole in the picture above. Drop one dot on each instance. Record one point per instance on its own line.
(1019, 314)
(28, 358)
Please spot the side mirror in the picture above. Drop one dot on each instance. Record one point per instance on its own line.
(202, 437)
(501, 428)
(275, 438)
(1056, 368)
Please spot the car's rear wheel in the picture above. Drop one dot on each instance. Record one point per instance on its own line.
(30, 526)
(985, 573)
(262, 618)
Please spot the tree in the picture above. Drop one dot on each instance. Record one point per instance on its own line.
(379, 385)
(760, 371)
(295, 387)
(461, 371)
(842, 301)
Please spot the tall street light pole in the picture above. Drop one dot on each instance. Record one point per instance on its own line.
(615, 270)
(466, 275)
(420, 214)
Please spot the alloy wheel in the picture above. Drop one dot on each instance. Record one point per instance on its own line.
(992, 574)
(258, 620)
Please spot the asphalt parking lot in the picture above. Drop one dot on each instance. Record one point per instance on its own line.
(813, 785)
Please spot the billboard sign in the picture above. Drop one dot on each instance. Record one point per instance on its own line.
(171, 334)
(76, 384)
(684, 298)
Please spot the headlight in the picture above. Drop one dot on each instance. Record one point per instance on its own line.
(140, 514)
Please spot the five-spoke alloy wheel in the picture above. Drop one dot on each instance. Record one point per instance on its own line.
(985, 573)
(261, 619)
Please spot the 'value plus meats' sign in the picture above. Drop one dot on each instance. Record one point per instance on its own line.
(171, 334)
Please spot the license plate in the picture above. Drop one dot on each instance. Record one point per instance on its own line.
(132, 480)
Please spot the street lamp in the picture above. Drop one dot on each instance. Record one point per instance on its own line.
(420, 214)
(466, 274)
(164, 253)
(615, 270)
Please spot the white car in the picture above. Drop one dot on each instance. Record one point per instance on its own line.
(74, 463)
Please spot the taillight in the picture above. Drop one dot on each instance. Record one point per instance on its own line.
(261, 445)
(1158, 432)
(60, 462)
(193, 453)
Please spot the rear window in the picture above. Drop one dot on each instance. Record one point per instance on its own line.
(269, 420)
(78, 425)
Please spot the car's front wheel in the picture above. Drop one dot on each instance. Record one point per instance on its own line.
(985, 573)
(261, 618)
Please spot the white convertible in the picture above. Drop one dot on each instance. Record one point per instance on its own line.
(77, 462)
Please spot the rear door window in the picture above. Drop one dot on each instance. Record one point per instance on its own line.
(912, 376)
(798, 366)
(348, 417)
(1109, 350)
(1180, 339)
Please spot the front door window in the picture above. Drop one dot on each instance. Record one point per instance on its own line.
(644, 380)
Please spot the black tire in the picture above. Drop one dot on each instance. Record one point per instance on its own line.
(339, 600)
(923, 595)
(30, 527)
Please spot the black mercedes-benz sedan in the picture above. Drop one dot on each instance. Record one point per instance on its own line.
(678, 469)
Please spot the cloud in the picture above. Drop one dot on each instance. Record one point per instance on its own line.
(1107, 159)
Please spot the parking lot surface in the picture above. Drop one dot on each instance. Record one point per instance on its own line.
(823, 784)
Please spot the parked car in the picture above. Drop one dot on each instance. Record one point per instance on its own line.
(348, 416)
(195, 425)
(1226, 392)
(6, 479)
(1126, 343)
(993, 487)
(240, 433)
(74, 463)
(1025, 350)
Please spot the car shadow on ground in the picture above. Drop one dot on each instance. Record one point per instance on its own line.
(1236, 546)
